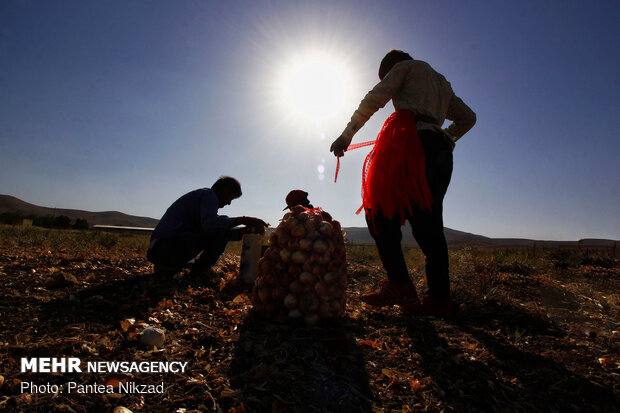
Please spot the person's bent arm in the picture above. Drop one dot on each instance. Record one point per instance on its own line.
(374, 100)
(462, 117)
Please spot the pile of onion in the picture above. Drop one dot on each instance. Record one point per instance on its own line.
(302, 275)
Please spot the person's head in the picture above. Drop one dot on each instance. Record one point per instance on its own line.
(297, 197)
(226, 189)
(390, 59)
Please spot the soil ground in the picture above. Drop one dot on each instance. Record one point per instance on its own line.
(534, 334)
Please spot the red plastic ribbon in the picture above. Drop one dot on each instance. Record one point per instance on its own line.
(350, 148)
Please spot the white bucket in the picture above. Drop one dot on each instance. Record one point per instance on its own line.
(250, 254)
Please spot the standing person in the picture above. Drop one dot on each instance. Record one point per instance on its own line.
(406, 176)
(191, 225)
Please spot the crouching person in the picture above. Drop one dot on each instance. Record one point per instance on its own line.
(192, 226)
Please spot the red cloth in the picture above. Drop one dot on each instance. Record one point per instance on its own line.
(393, 176)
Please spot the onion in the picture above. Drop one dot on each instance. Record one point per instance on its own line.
(294, 314)
(320, 288)
(311, 319)
(273, 240)
(290, 223)
(325, 310)
(331, 247)
(265, 266)
(298, 231)
(298, 209)
(336, 226)
(309, 303)
(293, 244)
(312, 235)
(278, 294)
(270, 308)
(319, 246)
(325, 228)
(299, 257)
(153, 336)
(264, 293)
(290, 301)
(318, 270)
(325, 258)
(273, 253)
(285, 279)
(285, 255)
(296, 287)
(270, 279)
(294, 269)
(310, 224)
(329, 278)
(305, 244)
(304, 216)
(335, 264)
(283, 239)
(306, 278)
(306, 267)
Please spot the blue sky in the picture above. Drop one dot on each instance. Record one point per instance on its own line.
(126, 105)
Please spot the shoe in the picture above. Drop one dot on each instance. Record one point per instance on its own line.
(411, 308)
(438, 308)
(164, 270)
(392, 292)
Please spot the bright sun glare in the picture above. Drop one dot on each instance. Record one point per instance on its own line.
(314, 86)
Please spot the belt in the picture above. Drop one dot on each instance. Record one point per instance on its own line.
(424, 118)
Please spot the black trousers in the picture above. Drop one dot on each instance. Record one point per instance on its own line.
(427, 226)
(176, 251)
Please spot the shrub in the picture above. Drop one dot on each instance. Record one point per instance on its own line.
(80, 224)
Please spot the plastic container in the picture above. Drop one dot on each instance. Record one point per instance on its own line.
(251, 252)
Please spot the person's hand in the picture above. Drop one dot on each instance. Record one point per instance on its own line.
(254, 225)
(339, 146)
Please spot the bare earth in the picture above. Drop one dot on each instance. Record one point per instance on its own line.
(534, 334)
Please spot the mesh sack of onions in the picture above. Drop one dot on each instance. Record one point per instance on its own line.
(302, 275)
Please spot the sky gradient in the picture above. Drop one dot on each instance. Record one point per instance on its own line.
(127, 105)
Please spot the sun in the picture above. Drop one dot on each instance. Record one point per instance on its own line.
(314, 86)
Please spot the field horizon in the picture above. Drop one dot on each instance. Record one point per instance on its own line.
(355, 235)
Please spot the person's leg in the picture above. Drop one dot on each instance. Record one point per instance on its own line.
(388, 236)
(427, 229)
(173, 253)
(213, 245)
(398, 288)
(427, 226)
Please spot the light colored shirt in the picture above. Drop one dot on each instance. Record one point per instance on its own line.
(416, 86)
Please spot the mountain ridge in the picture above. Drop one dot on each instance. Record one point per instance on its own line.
(12, 204)
(355, 235)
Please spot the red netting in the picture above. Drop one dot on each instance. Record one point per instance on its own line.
(393, 175)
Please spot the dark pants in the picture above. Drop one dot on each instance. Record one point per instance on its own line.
(427, 226)
(176, 251)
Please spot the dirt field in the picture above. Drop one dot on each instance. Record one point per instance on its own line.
(534, 334)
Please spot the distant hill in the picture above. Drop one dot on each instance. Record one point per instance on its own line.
(11, 204)
(354, 235)
(454, 238)
(458, 239)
